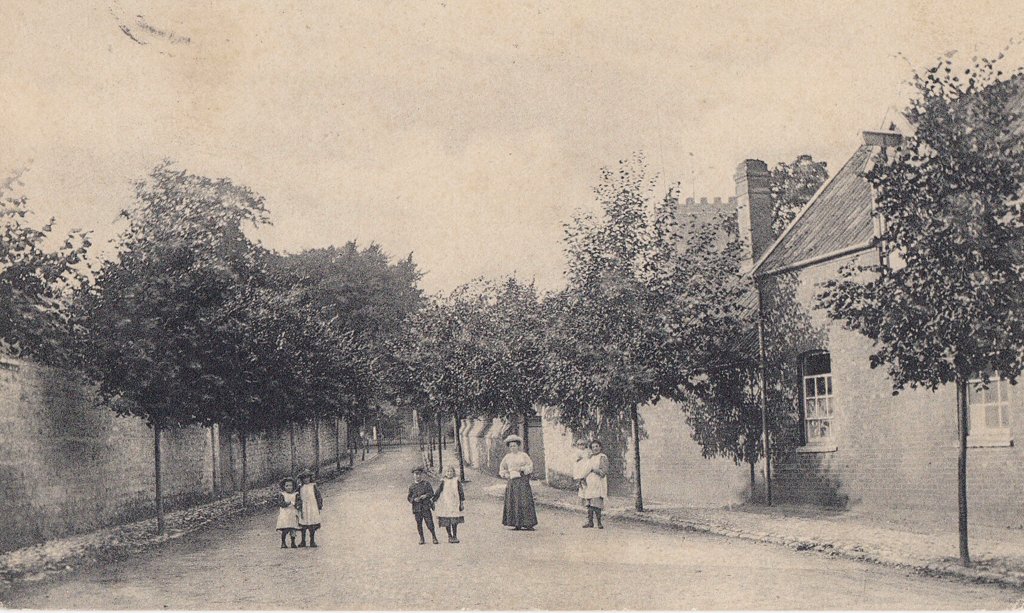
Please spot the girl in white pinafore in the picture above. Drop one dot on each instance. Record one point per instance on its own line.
(288, 512)
(449, 504)
(311, 502)
(596, 490)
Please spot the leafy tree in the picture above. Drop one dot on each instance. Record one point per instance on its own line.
(36, 282)
(476, 352)
(792, 186)
(642, 317)
(950, 306)
(153, 320)
(368, 297)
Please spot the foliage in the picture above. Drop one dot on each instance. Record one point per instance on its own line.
(950, 200)
(368, 300)
(157, 320)
(792, 186)
(726, 417)
(648, 308)
(37, 281)
(477, 351)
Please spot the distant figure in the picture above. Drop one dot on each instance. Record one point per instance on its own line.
(311, 503)
(288, 513)
(421, 496)
(520, 512)
(450, 504)
(596, 480)
(579, 469)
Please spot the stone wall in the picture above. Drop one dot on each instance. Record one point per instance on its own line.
(69, 465)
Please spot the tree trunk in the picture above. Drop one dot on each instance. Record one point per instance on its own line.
(380, 438)
(440, 445)
(430, 445)
(316, 447)
(245, 470)
(213, 460)
(526, 434)
(351, 444)
(291, 439)
(156, 472)
(753, 483)
(521, 430)
(961, 469)
(231, 462)
(337, 444)
(458, 448)
(638, 495)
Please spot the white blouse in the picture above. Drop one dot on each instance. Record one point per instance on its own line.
(515, 464)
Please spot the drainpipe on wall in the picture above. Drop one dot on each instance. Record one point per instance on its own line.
(762, 371)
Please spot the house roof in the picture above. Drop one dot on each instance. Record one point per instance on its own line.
(837, 218)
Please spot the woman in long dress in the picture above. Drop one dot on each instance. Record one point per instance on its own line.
(595, 474)
(516, 466)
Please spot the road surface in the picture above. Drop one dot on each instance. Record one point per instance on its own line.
(370, 559)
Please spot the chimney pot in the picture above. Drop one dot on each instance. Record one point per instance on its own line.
(882, 139)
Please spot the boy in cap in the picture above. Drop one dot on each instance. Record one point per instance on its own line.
(421, 496)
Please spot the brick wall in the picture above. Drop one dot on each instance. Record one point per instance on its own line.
(894, 455)
(68, 465)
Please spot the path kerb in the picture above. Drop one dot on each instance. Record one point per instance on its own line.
(729, 523)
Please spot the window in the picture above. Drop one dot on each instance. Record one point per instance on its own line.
(818, 401)
(988, 410)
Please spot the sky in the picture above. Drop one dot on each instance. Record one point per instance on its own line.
(465, 133)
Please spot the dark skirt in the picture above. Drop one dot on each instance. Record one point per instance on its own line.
(447, 522)
(519, 509)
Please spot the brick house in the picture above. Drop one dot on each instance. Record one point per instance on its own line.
(853, 444)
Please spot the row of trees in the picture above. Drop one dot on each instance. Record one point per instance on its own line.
(652, 309)
(194, 323)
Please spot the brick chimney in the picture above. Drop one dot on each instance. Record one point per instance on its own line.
(754, 209)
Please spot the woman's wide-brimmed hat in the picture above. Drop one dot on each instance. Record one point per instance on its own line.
(513, 438)
(305, 473)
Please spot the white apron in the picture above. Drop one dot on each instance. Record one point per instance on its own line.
(597, 486)
(447, 504)
(310, 515)
(288, 517)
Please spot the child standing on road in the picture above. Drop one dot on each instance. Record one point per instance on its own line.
(421, 496)
(288, 513)
(451, 501)
(310, 505)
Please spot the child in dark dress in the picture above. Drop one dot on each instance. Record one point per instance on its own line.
(421, 496)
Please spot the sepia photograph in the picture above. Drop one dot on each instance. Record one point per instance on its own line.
(505, 305)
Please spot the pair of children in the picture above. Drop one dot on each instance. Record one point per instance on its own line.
(449, 500)
(299, 509)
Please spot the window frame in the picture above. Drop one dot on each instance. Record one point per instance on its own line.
(816, 444)
(978, 433)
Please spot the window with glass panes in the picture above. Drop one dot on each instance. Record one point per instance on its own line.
(989, 409)
(819, 407)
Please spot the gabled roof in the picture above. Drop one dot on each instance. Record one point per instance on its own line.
(836, 219)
